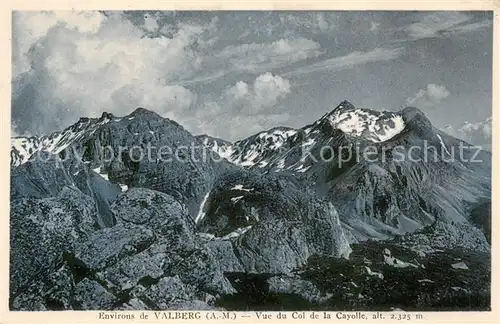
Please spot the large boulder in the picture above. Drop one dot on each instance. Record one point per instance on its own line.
(154, 239)
(43, 229)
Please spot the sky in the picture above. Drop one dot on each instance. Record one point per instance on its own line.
(232, 74)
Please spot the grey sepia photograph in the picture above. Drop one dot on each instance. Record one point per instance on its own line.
(251, 160)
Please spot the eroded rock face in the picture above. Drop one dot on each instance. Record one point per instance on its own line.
(53, 291)
(160, 212)
(128, 265)
(446, 236)
(273, 224)
(106, 246)
(91, 295)
(42, 229)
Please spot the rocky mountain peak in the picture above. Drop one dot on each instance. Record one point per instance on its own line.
(107, 115)
(145, 113)
(368, 124)
(345, 105)
(417, 122)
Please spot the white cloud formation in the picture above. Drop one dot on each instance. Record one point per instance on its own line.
(429, 97)
(265, 56)
(484, 127)
(86, 63)
(71, 64)
(244, 107)
(431, 24)
(265, 91)
(254, 58)
(151, 23)
(269, 88)
(349, 60)
(30, 27)
(470, 27)
(244, 126)
(313, 21)
(478, 133)
(443, 23)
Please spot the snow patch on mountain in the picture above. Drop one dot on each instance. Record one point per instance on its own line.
(263, 164)
(236, 233)
(100, 173)
(201, 211)
(236, 199)
(442, 143)
(372, 125)
(23, 148)
(240, 187)
(460, 265)
(302, 168)
(396, 263)
(223, 149)
(252, 151)
(281, 164)
(250, 156)
(373, 273)
(276, 138)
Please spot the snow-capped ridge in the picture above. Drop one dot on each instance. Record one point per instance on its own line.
(269, 149)
(372, 125)
(253, 150)
(223, 148)
(23, 148)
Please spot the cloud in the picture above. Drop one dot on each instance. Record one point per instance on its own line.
(244, 126)
(431, 24)
(265, 91)
(255, 58)
(236, 127)
(312, 21)
(429, 97)
(484, 127)
(244, 108)
(151, 22)
(269, 55)
(72, 64)
(443, 23)
(348, 61)
(478, 133)
(374, 26)
(29, 27)
(470, 27)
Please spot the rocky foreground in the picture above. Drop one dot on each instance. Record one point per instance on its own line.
(153, 258)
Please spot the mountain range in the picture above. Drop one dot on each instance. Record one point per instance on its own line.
(362, 209)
